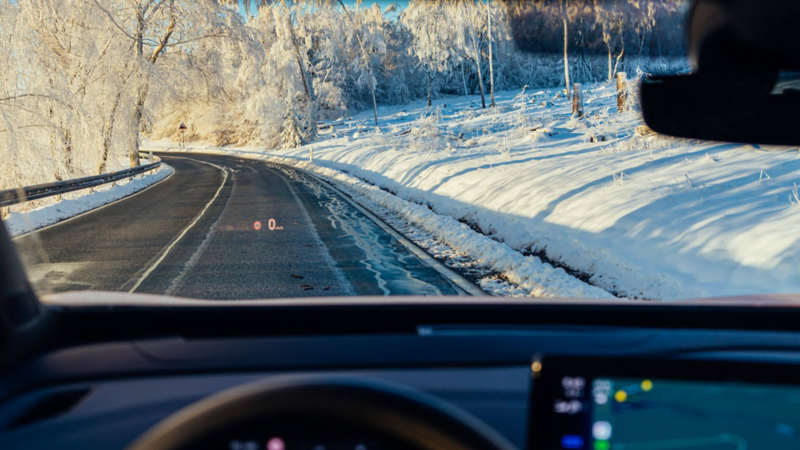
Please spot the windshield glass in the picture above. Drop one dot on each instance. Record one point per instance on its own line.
(247, 149)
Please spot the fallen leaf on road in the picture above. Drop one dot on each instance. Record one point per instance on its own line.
(297, 276)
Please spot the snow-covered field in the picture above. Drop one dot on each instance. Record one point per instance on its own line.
(78, 202)
(639, 216)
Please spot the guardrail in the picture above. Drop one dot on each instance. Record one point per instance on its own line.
(25, 194)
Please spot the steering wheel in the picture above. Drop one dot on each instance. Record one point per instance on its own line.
(396, 413)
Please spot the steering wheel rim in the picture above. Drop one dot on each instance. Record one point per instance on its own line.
(397, 412)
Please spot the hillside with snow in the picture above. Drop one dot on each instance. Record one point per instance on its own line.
(636, 214)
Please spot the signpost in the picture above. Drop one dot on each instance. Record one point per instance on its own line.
(182, 131)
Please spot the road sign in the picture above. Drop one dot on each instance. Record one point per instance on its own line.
(182, 126)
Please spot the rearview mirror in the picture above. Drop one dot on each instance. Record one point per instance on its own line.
(758, 108)
(746, 85)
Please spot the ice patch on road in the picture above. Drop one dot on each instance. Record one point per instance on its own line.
(393, 266)
(78, 202)
(528, 272)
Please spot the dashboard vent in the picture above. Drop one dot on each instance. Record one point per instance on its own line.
(50, 406)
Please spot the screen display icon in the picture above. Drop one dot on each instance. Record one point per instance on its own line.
(572, 441)
(601, 430)
(573, 386)
(276, 443)
(568, 407)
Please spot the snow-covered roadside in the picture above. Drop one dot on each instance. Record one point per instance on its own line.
(645, 216)
(79, 202)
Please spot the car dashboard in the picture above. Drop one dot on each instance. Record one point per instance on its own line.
(542, 375)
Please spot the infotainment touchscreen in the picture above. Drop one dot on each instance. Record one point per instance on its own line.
(651, 405)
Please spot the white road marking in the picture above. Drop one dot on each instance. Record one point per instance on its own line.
(185, 230)
(177, 282)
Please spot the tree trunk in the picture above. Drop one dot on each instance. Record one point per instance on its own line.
(658, 42)
(491, 70)
(429, 90)
(566, 43)
(133, 151)
(67, 151)
(138, 113)
(640, 43)
(464, 81)
(477, 57)
(610, 73)
(577, 101)
(163, 42)
(620, 57)
(144, 80)
(107, 135)
(622, 95)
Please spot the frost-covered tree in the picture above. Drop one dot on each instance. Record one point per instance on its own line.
(463, 14)
(431, 46)
(366, 58)
(61, 68)
(149, 25)
(301, 56)
(83, 81)
(565, 21)
(291, 136)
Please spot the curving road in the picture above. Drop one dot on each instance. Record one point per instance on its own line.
(196, 235)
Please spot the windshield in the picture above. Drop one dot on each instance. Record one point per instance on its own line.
(250, 149)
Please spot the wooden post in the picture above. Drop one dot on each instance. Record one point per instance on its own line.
(622, 98)
(577, 100)
(4, 212)
(310, 154)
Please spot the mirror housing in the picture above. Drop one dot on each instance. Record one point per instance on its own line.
(705, 107)
(746, 84)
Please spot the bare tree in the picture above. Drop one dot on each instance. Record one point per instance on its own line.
(476, 51)
(427, 25)
(491, 68)
(564, 19)
(153, 23)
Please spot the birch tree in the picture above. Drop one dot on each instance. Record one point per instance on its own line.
(491, 44)
(475, 47)
(565, 20)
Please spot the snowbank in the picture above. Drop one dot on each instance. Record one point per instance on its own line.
(641, 215)
(78, 202)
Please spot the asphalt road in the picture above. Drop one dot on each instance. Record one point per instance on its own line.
(196, 234)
